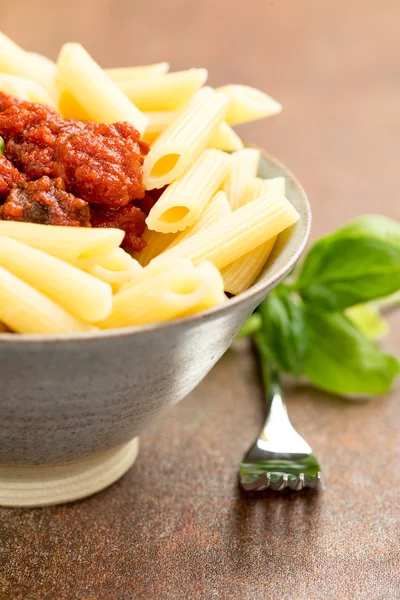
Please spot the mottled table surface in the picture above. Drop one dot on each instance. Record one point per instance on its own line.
(176, 526)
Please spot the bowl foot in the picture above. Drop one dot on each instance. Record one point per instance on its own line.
(56, 484)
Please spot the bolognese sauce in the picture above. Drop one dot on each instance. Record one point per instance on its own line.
(65, 172)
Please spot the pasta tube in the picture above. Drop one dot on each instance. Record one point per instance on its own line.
(120, 260)
(79, 76)
(77, 292)
(25, 89)
(156, 244)
(25, 310)
(242, 273)
(259, 187)
(224, 138)
(120, 74)
(211, 292)
(47, 69)
(116, 268)
(48, 66)
(184, 140)
(76, 245)
(184, 200)
(158, 121)
(242, 231)
(248, 104)
(166, 290)
(15, 61)
(244, 167)
(218, 208)
(164, 92)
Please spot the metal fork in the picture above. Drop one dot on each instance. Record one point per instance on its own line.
(280, 458)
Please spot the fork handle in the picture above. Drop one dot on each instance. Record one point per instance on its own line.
(270, 377)
(278, 432)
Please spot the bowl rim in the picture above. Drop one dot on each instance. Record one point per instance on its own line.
(253, 291)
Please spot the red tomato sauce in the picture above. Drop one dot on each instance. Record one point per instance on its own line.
(64, 172)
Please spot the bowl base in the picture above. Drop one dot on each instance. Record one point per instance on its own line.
(57, 484)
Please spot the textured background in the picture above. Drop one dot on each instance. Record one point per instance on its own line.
(177, 526)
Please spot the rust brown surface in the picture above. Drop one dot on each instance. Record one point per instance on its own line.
(177, 526)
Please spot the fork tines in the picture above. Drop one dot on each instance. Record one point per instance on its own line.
(264, 482)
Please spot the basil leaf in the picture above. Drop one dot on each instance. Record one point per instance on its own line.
(358, 263)
(341, 360)
(283, 330)
(367, 318)
(389, 301)
(2, 145)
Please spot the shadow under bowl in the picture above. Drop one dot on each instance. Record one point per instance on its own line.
(84, 397)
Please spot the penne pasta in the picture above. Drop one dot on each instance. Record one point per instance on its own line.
(120, 74)
(155, 269)
(184, 200)
(244, 167)
(218, 208)
(166, 291)
(25, 310)
(241, 274)
(80, 77)
(15, 61)
(120, 260)
(156, 244)
(246, 228)
(259, 187)
(76, 245)
(47, 69)
(225, 138)
(185, 139)
(25, 89)
(211, 292)
(248, 104)
(70, 108)
(45, 64)
(164, 91)
(158, 121)
(11, 84)
(74, 290)
(116, 269)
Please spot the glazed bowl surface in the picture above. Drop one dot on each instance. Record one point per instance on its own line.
(67, 397)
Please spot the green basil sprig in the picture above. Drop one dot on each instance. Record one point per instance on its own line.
(2, 145)
(356, 264)
(284, 330)
(318, 325)
(342, 360)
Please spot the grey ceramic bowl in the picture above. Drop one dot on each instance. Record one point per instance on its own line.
(63, 398)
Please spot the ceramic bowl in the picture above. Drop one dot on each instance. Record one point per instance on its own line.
(71, 406)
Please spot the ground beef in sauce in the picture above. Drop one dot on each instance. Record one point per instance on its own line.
(45, 201)
(102, 164)
(30, 132)
(129, 218)
(9, 176)
(54, 168)
(6, 101)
